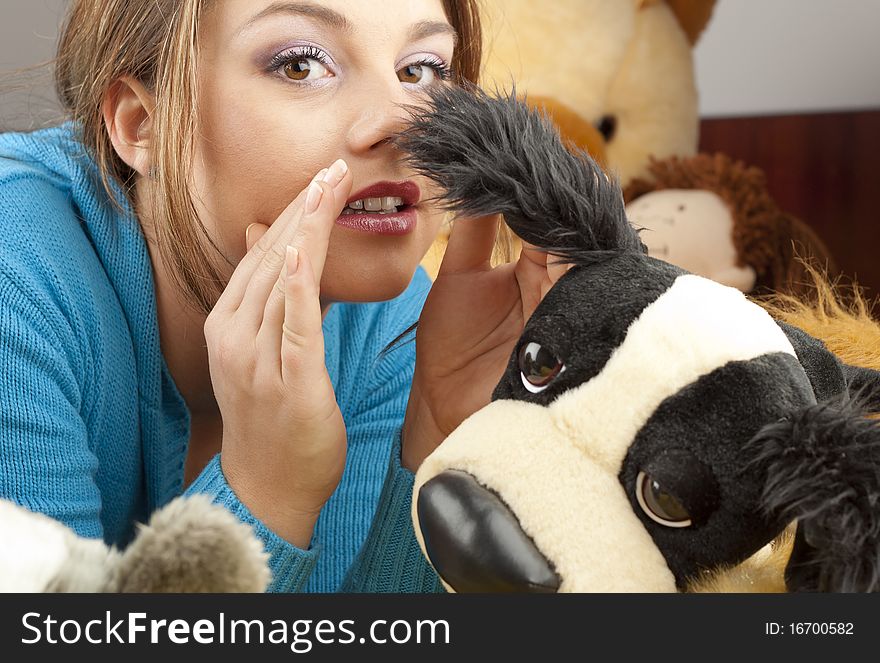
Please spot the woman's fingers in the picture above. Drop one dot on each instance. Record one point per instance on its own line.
(554, 267)
(312, 240)
(267, 252)
(310, 230)
(322, 211)
(470, 245)
(533, 254)
(253, 234)
(300, 336)
(233, 294)
(536, 272)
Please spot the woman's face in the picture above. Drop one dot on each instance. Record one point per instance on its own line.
(287, 88)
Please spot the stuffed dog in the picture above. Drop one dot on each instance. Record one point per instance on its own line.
(653, 429)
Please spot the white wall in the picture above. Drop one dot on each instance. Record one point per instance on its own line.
(28, 32)
(756, 57)
(764, 57)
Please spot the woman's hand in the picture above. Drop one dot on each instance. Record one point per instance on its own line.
(284, 440)
(471, 321)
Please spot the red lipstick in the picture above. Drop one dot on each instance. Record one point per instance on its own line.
(400, 221)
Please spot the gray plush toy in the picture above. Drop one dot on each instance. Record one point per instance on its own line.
(190, 545)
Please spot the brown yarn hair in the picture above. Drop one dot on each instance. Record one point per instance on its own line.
(156, 42)
(775, 244)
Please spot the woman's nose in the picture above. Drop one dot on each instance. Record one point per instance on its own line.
(381, 113)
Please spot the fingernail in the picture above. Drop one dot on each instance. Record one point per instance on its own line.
(247, 235)
(313, 197)
(292, 260)
(320, 175)
(336, 172)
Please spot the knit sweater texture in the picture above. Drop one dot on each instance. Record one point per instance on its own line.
(93, 430)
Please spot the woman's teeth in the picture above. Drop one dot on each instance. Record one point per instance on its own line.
(383, 205)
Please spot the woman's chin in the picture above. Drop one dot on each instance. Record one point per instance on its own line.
(372, 285)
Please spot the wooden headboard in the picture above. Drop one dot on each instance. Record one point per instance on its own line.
(823, 168)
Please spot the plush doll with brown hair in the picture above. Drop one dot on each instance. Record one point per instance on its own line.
(714, 216)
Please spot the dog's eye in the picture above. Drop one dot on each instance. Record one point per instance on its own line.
(661, 507)
(538, 367)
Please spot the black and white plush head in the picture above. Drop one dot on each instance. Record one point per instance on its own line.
(190, 545)
(653, 427)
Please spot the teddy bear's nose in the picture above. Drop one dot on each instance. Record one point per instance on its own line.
(475, 542)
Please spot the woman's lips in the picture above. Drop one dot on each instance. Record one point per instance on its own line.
(398, 222)
(391, 223)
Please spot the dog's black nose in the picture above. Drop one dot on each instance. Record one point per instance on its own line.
(475, 542)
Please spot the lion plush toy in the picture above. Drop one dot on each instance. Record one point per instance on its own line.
(190, 545)
(654, 430)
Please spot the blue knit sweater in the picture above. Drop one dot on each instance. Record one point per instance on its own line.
(94, 432)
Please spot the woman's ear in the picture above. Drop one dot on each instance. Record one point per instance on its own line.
(128, 113)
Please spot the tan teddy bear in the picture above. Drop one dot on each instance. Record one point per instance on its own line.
(617, 76)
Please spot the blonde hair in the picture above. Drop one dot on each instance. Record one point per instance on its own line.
(156, 42)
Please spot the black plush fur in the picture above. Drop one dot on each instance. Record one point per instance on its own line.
(822, 467)
(494, 154)
(865, 383)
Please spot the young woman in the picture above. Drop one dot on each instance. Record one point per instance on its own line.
(200, 272)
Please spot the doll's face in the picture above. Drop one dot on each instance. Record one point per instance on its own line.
(692, 229)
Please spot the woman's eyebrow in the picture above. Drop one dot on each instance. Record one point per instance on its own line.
(424, 29)
(420, 30)
(323, 14)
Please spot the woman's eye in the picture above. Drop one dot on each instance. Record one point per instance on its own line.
(538, 367)
(660, 506)
(424, 73)
(416, 73)
(303, 68)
